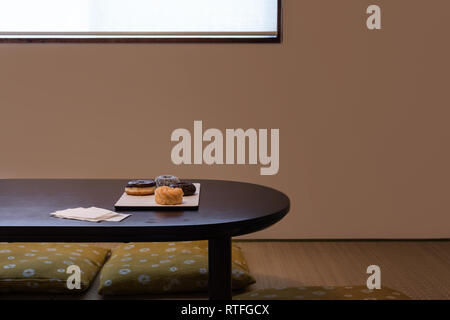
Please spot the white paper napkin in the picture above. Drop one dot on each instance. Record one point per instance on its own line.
(92, 214)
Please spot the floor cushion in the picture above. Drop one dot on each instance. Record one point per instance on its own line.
(165, 267)
(323, 293)
(41, 267)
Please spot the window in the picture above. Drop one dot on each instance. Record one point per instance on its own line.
(140, 20)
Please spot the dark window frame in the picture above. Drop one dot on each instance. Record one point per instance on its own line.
(158, 38)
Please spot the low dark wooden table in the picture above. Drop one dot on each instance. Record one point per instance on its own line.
(226, 209)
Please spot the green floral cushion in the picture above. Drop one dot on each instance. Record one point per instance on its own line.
(165, 267)
(41, 267)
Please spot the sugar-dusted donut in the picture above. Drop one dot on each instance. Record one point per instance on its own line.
(168, 196)
(166, 180)
(140, 187)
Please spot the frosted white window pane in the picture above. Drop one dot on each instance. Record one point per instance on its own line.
(146, 16)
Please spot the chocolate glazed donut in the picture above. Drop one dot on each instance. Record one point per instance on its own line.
(187, 187)
(140, 187)
(141, 183)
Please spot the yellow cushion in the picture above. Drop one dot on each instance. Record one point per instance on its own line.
(41, 267)
(324, 293)
(163, 267)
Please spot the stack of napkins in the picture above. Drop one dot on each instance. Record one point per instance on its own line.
(92, 214)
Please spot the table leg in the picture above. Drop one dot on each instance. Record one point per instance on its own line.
(219, 254)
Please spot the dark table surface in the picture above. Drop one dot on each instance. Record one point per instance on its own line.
(226, 209)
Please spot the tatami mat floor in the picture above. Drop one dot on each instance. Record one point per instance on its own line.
(420, 269)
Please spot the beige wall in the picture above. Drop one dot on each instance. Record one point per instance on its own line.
(363, 115)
